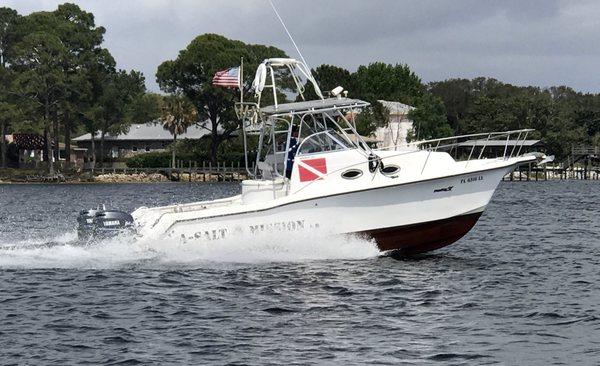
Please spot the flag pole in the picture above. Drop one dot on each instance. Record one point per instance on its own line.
(242, 80)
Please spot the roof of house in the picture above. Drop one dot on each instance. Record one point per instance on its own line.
(148, 132)
(396, 108)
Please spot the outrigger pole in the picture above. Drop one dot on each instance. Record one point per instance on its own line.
(295, 45)
(289, 35)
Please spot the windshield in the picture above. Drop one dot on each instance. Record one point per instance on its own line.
(321, 142)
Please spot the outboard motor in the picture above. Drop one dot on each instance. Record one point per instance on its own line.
(102, 223)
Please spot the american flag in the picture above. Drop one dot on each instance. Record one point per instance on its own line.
(227, 78)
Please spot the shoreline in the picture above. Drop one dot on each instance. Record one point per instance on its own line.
(35, 177)
(114, 178)
(4, 182)
(16, 176)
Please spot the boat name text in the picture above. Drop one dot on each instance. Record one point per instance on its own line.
(222, 233)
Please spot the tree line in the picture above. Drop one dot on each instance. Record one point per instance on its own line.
(561, 116)
(57, 80)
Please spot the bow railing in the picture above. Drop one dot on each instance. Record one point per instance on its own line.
(475, 144)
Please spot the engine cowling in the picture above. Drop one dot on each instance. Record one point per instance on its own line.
(101, 223)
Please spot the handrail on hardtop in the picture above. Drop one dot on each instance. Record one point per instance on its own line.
(503, 133)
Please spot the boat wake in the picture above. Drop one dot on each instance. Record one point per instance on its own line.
(124, 252)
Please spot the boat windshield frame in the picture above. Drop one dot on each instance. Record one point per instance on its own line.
(308, 118)
(331, 119)
(330, 134)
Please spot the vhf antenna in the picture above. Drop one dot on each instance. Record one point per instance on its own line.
(289, 35)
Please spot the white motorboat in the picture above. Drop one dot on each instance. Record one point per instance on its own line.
(314, 173)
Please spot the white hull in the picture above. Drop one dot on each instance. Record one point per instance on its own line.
(391, 206)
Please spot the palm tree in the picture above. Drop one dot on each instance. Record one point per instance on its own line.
(178, 113)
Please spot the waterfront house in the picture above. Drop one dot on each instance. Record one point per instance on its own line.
(395, 133)
(140, 138)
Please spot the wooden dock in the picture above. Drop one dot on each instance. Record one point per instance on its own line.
(582, 163)
(532, 173)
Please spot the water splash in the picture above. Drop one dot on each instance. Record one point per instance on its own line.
(64, 252)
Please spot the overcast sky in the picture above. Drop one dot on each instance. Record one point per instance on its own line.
(535, 42)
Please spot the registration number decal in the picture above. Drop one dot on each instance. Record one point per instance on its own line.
(471, 179)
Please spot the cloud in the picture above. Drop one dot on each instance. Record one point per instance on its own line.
(537, 42)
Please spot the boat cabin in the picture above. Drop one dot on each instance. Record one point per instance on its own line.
(300, 142)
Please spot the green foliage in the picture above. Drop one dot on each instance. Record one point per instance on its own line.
(429, 118)
(38, 60)
(231, 152)
(57, 77)
(64, 81)
(9, 111)
(381, 81)
(329, 77)
(145, 108)
(384, 81)
(562, 117)
(372, 117)
(9, 19)
(377, 81)
(178, 113)
(150, 160)
(192, 72)
(120, 90)
(110, 112)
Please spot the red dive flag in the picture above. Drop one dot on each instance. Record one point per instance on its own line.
(229, 78)
(312, 169)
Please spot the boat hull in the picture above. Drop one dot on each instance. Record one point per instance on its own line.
(413, 217)
(423, 237)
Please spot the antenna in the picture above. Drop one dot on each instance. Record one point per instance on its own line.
(289, 35)
(308, 71)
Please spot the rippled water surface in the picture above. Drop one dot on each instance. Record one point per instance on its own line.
(521, 288)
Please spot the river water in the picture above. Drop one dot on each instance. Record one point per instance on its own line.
(521, 288)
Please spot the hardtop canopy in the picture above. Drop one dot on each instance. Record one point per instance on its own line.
(314, 106)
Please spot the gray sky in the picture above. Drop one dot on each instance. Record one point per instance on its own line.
(535, 42)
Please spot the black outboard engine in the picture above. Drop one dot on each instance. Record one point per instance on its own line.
(102, 223)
